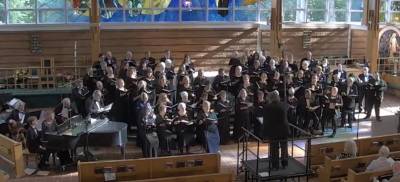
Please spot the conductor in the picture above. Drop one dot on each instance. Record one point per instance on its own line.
(276, 130)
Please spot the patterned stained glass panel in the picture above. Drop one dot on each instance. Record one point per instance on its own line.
(193, 15)
(246, 15)
(78, 15)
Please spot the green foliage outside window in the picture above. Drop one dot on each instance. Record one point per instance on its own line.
(2, 12)
(21, 4)
(319, 15)
(21, 17)
(289, 12)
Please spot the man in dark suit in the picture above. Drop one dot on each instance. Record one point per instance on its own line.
(349, 94)
(79, 95)
(33, 141)
(312, 62)
(340, 72)
(276, 129)
(111, 61)
(363, 80)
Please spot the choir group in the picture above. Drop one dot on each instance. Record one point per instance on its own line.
(183, 107)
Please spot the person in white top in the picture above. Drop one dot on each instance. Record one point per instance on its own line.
(349, 151)
(383, 162)
(396, 172)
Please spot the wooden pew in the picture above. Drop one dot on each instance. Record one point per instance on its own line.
(366, 146)
(337, 168)
(11, 152)
(215, 177)
(140, 169)
(353, 176)
(4, 176)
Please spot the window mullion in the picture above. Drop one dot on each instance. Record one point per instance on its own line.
(349, 11)
(180, 11)
(36, 10)
(6, 10)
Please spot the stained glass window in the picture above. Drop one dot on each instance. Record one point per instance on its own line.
(181, 11)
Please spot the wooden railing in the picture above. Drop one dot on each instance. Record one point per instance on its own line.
(35, 77)
(11, 153)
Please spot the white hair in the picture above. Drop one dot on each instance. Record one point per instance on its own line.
(168, 63)
(350, 147)
(182, 107)
(65, 100)
(306, 63)
(274, 96)
(384, 151)
(97, 95)
(184, 94)
(160, 67)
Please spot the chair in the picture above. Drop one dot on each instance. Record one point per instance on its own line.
(47, 73)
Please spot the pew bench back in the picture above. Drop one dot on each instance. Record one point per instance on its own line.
(366, 146)
(334, 168)
(11, 152)
(215, 177)
(141, 169)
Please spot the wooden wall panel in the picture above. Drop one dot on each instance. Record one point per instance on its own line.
(324, 42)
(15, 47)
(358, 43)
(207, 47)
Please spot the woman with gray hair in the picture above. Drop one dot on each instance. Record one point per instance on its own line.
(349, 151)
(96, 107)
(396, 172)
(383, 162)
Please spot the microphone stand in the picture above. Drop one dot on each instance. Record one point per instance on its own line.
(358, 124)
(88, 156)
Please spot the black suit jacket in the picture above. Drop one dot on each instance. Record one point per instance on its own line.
(349, 101)
(15, 116)
(343, 76)
(33, 140)
(275, 123)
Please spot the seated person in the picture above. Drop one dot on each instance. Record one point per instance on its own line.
(33, 142)
(96, 106)
(383, 162)
(349, 151)
(18, 114)
(49, 125)
(16, 132)
(63, 111)
(396, 172)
